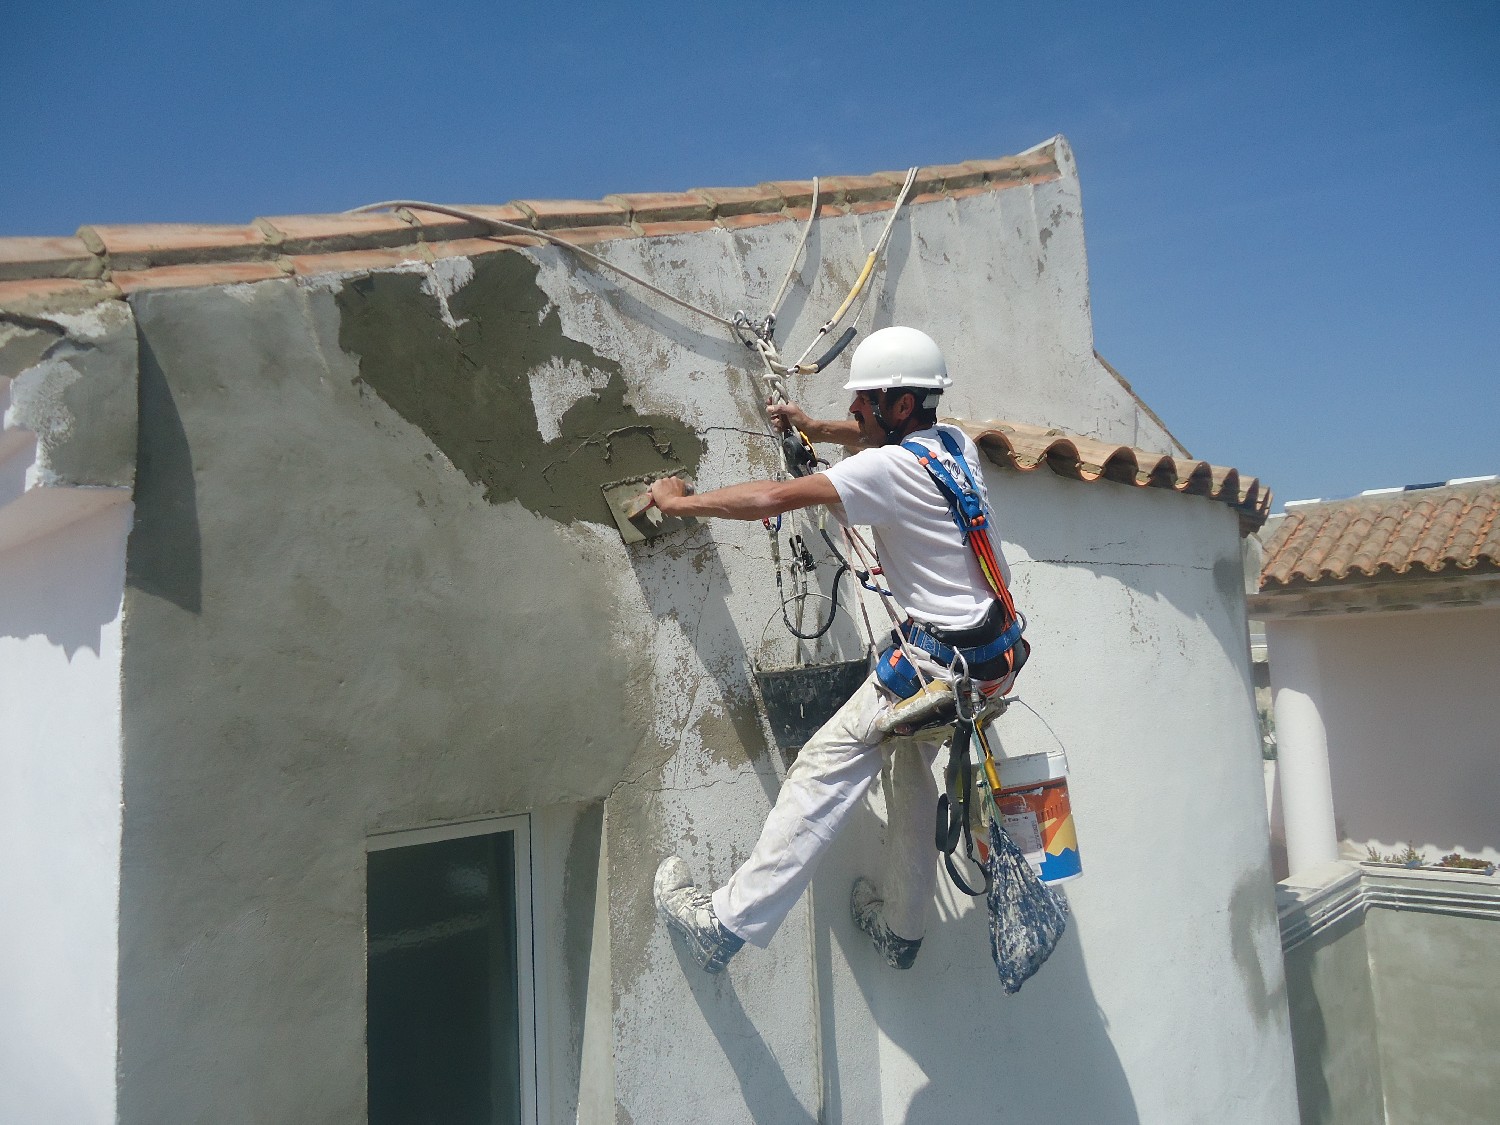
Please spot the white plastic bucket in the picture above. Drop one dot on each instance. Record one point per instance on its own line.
(1036, 813)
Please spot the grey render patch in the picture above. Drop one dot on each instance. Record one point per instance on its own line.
(466, 387)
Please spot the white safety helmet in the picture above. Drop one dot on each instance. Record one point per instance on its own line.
(898, 357)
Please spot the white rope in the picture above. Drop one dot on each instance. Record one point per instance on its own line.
(868, 558)
(796, 254)
(546, 236)
(869, 267)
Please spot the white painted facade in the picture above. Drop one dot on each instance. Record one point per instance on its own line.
(1400, 729)
(60, 791)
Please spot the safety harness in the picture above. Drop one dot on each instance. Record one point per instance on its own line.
(994, 654)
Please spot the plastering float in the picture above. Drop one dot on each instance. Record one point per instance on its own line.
(636, 514)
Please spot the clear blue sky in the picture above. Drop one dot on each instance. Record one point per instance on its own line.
(1292, 211)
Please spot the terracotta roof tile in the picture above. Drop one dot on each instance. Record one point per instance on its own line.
(1432, 530)
(1018, 445)
(505, 212)
(1038, 164)
(927, 197)
(23, 258)
(663, 206)
(97, 250)
(927, 182)
(653, 230)
(36, 294)
(741, 200)
(793, 193)
(957, 176)
(855, 189)
(356, 261)
(554, 214)
(472, 247)
(303, 234)
(196, 274)
(583, 236)
(138, 247)
(827, 208)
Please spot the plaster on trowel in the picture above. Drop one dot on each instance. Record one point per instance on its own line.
(637, 517)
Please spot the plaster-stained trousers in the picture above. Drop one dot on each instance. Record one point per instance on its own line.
(832, 772)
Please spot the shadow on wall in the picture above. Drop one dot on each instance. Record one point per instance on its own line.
(1066, 1017)
(1333, 1027)
(66, 586)
(767, 1094)
(1044, 1054)
(166, 549)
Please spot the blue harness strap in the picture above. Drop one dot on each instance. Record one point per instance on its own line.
(967, 507)
(918, 637)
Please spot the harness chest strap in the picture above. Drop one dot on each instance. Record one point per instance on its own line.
(969, 514)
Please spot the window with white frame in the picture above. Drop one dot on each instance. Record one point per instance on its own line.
(450, 1010)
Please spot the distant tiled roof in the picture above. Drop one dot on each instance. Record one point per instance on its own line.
(110, 261)
(1432, 530)
(1016, 445)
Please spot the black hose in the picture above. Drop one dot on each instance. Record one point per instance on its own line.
(833, 596)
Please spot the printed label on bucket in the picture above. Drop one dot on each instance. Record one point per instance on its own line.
(1020, 825)
(1047, 808)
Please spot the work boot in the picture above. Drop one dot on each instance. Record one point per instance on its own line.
(686, 909)
(865, 906)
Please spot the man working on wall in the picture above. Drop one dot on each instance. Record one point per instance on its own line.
(898, 375)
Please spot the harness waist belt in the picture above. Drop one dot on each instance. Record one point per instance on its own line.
(920, 638)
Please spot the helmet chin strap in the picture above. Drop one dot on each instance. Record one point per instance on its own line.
(892, 433)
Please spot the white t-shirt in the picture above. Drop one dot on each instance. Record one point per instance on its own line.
(929, 568)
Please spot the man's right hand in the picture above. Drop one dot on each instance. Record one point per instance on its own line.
(788, 416)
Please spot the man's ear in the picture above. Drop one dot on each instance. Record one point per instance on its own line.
(903, 408)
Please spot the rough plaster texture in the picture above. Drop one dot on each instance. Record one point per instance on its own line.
(1437, 1006)
(1334, 1028)
(1393, 1015)
(371, 586)
(1413, 726)
(332, 633)
(67, 416)
(60, 639)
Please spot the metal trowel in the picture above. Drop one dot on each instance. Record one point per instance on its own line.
(636, 514)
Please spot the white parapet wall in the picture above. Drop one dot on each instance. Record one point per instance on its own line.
(60, 791)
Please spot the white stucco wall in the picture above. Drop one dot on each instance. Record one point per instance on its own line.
(60, 820)
(1172, 950)
(1412, 724)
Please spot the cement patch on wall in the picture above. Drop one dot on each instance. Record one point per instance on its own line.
(333, 632)
(462, 370)
(1437, 1008)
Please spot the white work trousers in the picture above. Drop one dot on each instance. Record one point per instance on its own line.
(831, 773)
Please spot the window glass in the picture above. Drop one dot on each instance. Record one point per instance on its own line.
(443, 992)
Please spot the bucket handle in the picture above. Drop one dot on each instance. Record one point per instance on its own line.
(781, 612)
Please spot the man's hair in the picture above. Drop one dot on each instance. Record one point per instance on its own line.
(927, 401)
